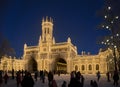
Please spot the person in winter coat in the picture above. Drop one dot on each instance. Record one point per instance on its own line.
(1, 79)
(6, 78)
(18, 78)
(115, 78)
(27, 81)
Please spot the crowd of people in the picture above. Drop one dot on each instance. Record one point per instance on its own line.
(25, 79)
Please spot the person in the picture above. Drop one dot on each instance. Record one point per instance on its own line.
(98, 75)
(115, 78)
(91, 83)
(43, 76)
(82, 80)
(50, 77)
(36, 75)
(1, 80)
(6, 78)
(27, 80)
(108, 76)
(75, 81)
(22, 73)
(52, 82)
(12, 73)
(95, 84)
(18, 78)
(64, 84)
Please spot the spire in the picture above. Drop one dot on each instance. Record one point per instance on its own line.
(47, 29)
(25, 45)
(47, 19)
(69, 40)
(43, 19)
(50, 19)
(39, 39)
(53, 40)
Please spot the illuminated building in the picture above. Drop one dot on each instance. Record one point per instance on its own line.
(58, 57)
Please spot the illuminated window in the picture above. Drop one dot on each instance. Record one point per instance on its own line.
(97, 67)
(90, 67)
(45, 30)
(76, 68)
(83, 67)
(48, 30)
(44, 49)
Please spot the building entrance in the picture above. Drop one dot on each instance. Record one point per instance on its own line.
(60, 66)
(32, 65)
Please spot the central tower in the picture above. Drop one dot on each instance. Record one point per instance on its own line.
(47, 30)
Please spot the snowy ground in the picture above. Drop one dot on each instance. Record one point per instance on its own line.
(59, 79)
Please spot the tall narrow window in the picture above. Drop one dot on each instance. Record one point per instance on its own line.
(97, 67)
(45, 31)
(48, 30)
(90, 67)
(76, 68)
(83, 67)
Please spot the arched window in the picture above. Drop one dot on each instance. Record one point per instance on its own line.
(76, 68)
(83, 67)
(97, 67)
(45, 31)
(90, 67)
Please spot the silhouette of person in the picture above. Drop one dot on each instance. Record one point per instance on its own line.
(27, 80)
(115, 78)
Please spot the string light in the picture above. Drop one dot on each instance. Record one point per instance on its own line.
(109, 8)
(107, 27)
(116, 17)
(107, 40)
(117, 34)
(105, 16)
(112, 22)
(103, 26)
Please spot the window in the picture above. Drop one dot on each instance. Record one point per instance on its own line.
(90, 67)
(83, 67)
(48, 31)
(44, 49)
(76, 68)
(97, 67)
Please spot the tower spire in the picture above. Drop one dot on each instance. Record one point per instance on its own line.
(43, 19)
(47, 29)
(47, 19)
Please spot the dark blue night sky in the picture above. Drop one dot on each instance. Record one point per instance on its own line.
(20, 22)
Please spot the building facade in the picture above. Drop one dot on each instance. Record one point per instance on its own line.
(57, 57)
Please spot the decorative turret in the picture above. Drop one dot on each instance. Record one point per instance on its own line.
(39, 40)
(53, 40)
(25, 45)
(69, 40)
(47, 29)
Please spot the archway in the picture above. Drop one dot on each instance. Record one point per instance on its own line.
(32, 65)
(60, 66)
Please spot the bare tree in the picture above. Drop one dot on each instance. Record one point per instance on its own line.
(110, 14)
(5, 48)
